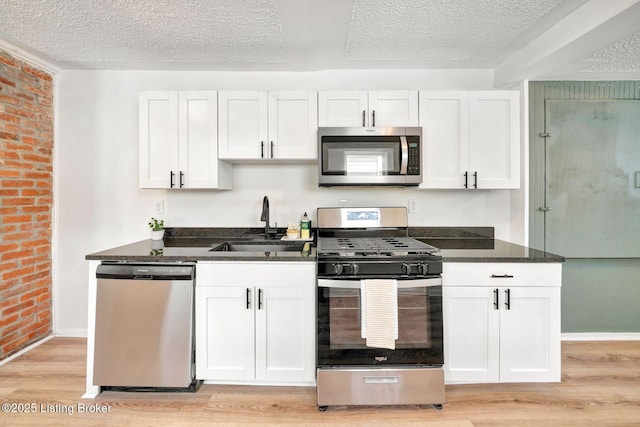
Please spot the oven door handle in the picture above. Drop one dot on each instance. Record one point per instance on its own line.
(402, 284)
(404, 147)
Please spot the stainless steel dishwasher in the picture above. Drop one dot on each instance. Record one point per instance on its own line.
(144, 332)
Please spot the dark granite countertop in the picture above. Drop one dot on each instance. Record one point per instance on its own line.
(457, 244)
(477, 244)
(194, 244)
(488, 250)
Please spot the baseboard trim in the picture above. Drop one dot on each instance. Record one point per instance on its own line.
(600, 336)
(72, 333)
(26, 349)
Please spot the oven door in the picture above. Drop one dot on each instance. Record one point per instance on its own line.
(419, 325)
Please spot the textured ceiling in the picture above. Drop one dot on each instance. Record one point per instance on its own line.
(102, 31)
(440, 30)
(619, 57)
(516, 38)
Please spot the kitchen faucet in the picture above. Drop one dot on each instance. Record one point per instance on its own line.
(265, 216)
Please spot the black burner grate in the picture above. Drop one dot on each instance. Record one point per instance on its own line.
(346, 246)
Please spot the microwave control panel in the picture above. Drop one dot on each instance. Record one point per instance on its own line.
(414, 159)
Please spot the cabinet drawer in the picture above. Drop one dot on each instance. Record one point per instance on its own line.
(246, 273)
(380, 386)
(501, 274)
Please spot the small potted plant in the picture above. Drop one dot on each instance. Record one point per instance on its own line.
(157, 229)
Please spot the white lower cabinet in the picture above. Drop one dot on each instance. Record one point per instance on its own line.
(501, 322)
(255, 322)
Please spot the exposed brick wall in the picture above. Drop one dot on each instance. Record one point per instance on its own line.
(26, 202)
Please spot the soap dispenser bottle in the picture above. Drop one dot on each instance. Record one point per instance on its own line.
(305, 227)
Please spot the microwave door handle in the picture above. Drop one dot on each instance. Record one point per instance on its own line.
(404, 147)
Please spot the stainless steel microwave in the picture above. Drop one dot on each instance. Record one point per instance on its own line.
(370, 156)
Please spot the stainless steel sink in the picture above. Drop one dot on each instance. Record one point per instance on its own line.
(258, 246)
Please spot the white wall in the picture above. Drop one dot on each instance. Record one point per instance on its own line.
(101, 206)
(520, 199)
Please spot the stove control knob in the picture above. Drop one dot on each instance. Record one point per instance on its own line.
(422, 268)
(354, 269)
(337, 268)
(406, 268)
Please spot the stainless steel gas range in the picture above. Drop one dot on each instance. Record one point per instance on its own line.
(379, 302)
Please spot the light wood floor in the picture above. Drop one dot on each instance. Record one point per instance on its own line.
(600, 386)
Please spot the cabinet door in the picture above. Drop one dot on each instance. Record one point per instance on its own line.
(444, 117)
(393, 108)
(471, 340)
(343, 108)
(198, 139)
(494, 133)
(530, 335)
(158, 138)
(225, 333)
(283, 353)
(293, 125)
(242, 126)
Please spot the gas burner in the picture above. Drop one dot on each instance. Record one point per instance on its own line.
(346, 254)
(372, 246)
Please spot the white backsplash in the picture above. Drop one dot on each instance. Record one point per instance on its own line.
(293, 190)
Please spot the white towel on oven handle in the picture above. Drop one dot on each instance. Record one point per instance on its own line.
(379, 312)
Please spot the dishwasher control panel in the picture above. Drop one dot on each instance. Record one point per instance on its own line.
(146, 271)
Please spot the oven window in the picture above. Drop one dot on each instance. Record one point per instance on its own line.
(419, 328)
(345, 320)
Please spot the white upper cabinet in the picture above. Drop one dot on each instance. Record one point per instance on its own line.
(158, 138)
(353, 108)
(268, 125)
(494, 138)
(445, 138)
(470, 139)
(293, 125)
(178, 141)
(393, 108)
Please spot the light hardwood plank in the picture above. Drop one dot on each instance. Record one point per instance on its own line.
(600, 387)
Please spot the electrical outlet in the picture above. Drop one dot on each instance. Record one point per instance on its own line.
(413, 205)
(159, 208)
